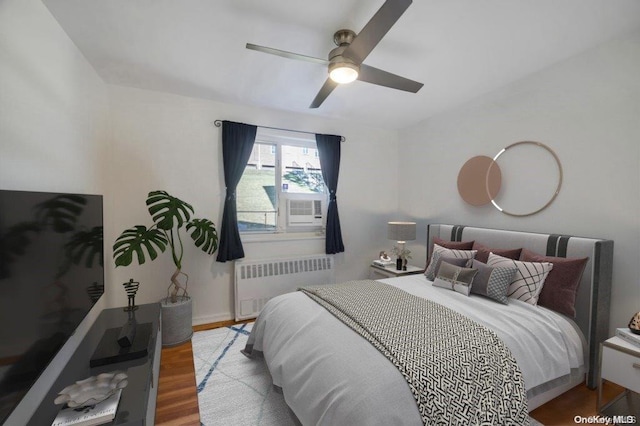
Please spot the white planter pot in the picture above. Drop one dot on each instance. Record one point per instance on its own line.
(177, 321)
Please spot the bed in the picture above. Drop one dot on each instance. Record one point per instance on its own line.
(331, 374)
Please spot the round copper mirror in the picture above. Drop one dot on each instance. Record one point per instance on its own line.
(479, 180)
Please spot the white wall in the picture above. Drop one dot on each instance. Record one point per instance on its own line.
(53, 128)
(168, 142)
(53, 108)
(63, 129)
(587, 109)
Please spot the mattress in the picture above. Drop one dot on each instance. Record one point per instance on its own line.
(331, 375)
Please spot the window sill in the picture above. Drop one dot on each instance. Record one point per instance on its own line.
(280, 236)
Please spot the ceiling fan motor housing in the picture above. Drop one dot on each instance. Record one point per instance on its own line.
(342, 38)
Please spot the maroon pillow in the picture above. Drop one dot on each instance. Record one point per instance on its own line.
(561, 286)
(454, 245)
(483, 252)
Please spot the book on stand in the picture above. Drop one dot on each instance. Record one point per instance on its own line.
(628, 336)
(383, 263)
(102, 412)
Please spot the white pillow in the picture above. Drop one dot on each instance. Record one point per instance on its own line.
(438, 252)
(528, 280)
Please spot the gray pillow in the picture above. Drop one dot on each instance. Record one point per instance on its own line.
(492, 282)
(438, 252)
(436, 262)
(455, 278)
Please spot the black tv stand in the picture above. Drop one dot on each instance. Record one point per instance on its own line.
(138, 400)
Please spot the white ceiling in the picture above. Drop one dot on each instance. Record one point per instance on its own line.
(459, 49)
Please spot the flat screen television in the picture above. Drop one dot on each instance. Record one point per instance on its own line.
(51, 275)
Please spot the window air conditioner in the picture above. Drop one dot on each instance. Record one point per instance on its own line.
(304, 212)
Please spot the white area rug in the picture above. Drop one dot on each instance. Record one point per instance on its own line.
(233, 389)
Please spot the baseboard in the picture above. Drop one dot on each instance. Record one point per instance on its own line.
(208, 319)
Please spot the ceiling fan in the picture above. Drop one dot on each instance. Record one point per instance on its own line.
(345, 61)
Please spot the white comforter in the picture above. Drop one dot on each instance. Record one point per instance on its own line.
(330, 375)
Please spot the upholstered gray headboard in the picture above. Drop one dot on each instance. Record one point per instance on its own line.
(594, 293)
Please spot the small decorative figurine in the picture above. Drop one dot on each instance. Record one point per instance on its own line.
(128, 331)
(131, 287)
(384, 256)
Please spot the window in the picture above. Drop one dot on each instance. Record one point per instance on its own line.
(255, 195)
(282, 189)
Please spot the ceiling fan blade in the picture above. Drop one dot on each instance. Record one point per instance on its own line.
(375, 29)
(285, 54)
(384, 78)
(326, 89)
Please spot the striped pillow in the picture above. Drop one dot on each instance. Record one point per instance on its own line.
(528, 280)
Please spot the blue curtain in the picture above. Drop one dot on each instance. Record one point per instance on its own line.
(237, 143)
(329, 153)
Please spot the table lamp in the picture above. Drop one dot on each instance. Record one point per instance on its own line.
(401, 232)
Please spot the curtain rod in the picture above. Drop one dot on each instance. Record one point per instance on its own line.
(218, 123)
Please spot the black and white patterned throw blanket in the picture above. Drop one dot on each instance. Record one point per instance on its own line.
(459, 371)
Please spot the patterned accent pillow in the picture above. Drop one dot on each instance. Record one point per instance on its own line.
(456, 245)
(561, 286)
(528, 280)
(438, 258)
(492, 282)
(483, 252)
(455, 278)
(438, 252)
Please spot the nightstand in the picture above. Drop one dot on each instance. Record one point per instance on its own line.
(378, 272)
(620, 363)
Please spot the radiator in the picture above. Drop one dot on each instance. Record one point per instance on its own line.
(257, 281)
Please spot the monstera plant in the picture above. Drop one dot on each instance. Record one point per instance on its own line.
(171, 217)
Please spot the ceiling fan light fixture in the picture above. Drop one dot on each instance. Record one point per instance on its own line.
(343, 72)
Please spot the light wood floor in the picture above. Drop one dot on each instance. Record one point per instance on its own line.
(177, 402)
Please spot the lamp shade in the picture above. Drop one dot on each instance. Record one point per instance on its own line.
(401, 231)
